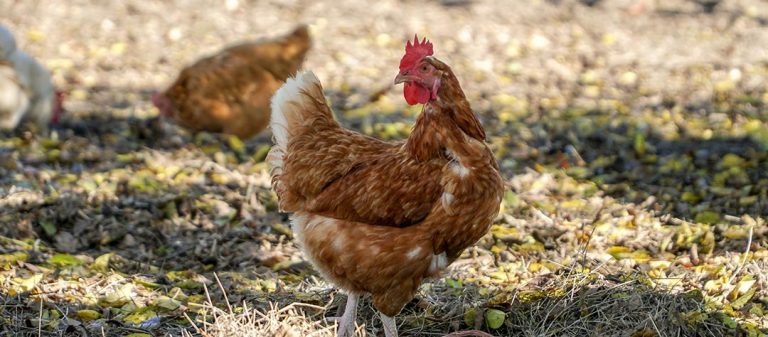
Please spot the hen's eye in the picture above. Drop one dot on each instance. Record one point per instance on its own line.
(424, 68)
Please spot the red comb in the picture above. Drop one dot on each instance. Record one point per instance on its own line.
(415, 52)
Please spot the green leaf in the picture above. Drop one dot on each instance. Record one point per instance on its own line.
(48, 227)
(167, 303)
(690, 197)
(729, 322)
(511, 199)
(453, 283)
(639, 144)
(141, 315)
(743, 299)
(494, 318)
(469, 316)
(707, 217)
(64, 260)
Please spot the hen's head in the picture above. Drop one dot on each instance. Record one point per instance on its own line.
(421, 78)
(163, 104)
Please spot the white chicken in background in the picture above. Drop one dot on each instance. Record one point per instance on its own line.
(14, 99)
(26, 91)
(7, 43)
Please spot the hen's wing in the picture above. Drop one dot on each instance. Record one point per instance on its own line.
(385, 189)
(319, 167)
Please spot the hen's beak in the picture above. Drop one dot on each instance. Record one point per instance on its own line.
(402, 78)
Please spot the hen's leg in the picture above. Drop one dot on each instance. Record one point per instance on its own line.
(347, 321)
(390, 328)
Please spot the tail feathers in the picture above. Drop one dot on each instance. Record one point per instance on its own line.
(298, 108)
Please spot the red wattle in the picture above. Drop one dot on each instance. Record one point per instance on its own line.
(415, 94)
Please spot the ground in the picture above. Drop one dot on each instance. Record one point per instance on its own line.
(632, 136)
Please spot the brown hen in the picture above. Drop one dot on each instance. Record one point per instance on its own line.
(229, 92)
(379, 217)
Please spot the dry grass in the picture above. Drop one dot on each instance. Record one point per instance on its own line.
(585, 305)
(288, 321)
(633, 144)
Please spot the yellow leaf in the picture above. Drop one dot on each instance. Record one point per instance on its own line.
(102, 262)
(236, 144)
(6, 259)
(35, 35)
(140, 315)
(119, 297)
(609, 39)
(575, 204)
(118, 48)
(499, 275)
(88, 315)
(659, 264)
(27, 284)
(736, 232)
(619, 252)
(731, 160)
(745, 285)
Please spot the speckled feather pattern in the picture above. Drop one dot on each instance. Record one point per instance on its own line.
(379, 217)
(229, 92)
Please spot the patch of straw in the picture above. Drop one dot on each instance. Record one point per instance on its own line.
(288, 321)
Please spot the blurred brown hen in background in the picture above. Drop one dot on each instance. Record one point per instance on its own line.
(229, 92)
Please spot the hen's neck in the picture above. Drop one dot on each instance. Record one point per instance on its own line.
(445, 120)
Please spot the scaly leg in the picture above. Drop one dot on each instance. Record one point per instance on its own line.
(390, 327)
(347, 321)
